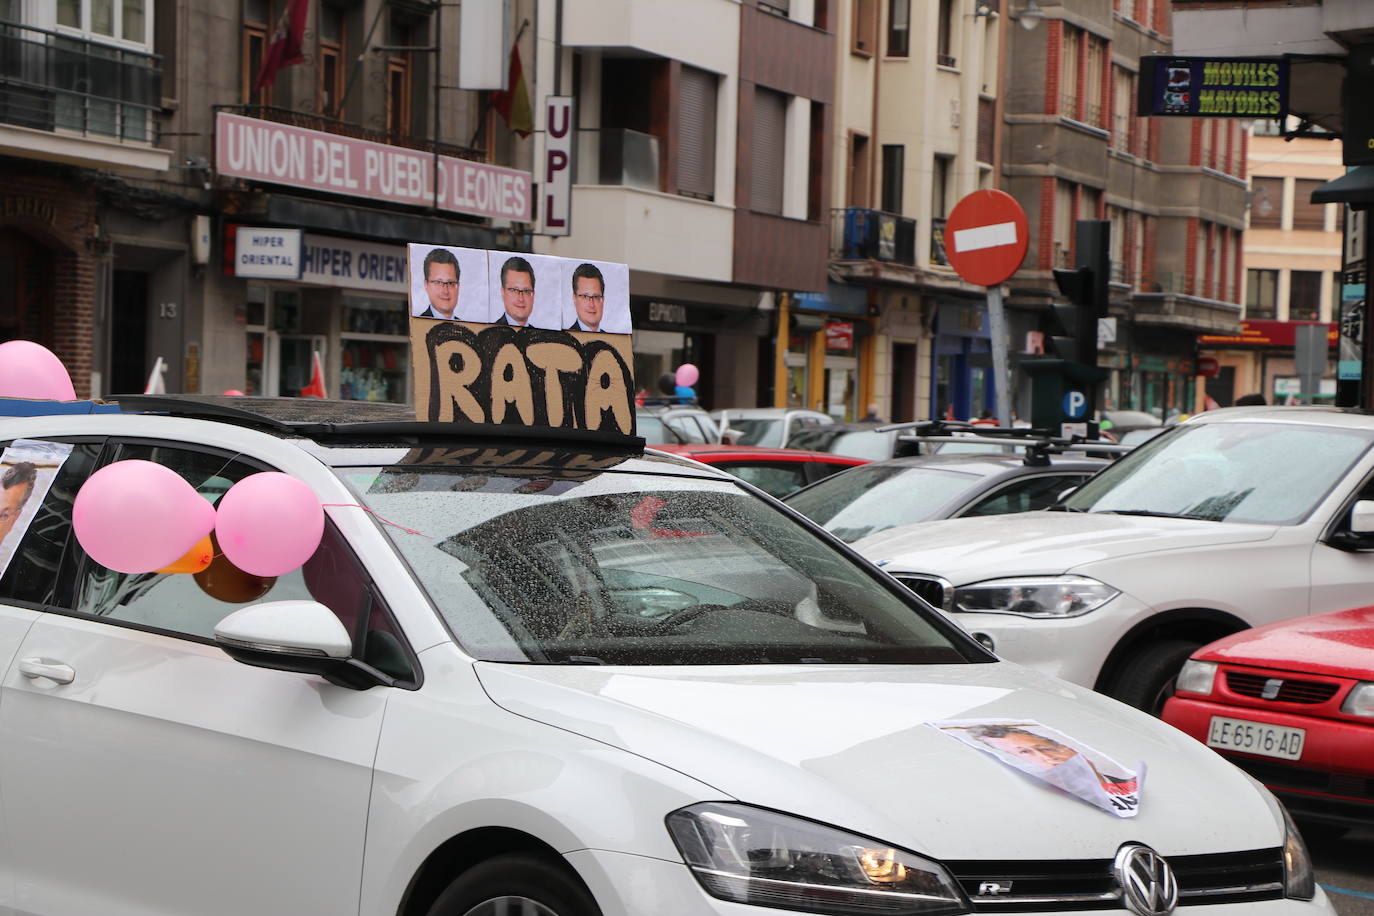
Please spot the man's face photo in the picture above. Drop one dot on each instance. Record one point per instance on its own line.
(441, 285)
(12, 500)
(517, 295)
(589, 298)
(1033, 749)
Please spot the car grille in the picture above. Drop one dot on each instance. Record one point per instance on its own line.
(1026, 886)
(1279, 776)
(933, 589)
(1290, 690)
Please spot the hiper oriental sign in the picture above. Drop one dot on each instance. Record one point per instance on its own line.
(266, 151)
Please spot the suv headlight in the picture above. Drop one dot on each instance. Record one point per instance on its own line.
(763, 858)
(1299, 882)
(1035, 596)
(1196, 677)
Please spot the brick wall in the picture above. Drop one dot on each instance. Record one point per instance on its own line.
(1054, 52)
(65, 227)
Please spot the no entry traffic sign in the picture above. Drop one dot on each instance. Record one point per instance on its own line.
(986, 237)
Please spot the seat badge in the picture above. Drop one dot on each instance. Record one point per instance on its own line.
(1271, 688)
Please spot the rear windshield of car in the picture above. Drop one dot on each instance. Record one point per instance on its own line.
(866, 500)
(1260, 472)
(630, 568)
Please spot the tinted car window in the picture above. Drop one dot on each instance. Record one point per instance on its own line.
(638, 569)
(773, 479)
(33, 572)
(1026, 494)
(866, 500)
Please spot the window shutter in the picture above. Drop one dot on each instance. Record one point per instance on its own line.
(696, 154)
(770, 126)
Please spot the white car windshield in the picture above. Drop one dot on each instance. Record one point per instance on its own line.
(866, 500)
(1260, 472)
(630, 568)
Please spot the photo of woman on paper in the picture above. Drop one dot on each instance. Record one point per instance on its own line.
(27, 470)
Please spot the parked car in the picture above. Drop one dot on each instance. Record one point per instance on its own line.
(1232, 518)
(768, 426)
(549, 675)
(1292, 704)
(662, 424)
(775, 471)
(901, 491)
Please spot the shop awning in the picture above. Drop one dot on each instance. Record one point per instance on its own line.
(1355, 187)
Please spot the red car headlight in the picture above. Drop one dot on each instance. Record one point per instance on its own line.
(1196, 677)
(1360, 701)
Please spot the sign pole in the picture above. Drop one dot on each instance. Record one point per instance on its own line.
(997, 329)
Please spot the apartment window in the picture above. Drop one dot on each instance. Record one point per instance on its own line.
(1123, 123)
(331, 29)
(1090, 203)
(1304, 295)
(939, 186)
(1307, 215)
(121, 20)
(858, 171)
(898, 28)
(1261, 293)
(1266, 203)
(769, 151)
(1063, 223)
(944, 47)
(894, 162)
(1128, 9)
(865, 27)
(257, 14)
(1068, 84)
(1094, 112)
(1120, 270)
(696, 149)
(398, 78)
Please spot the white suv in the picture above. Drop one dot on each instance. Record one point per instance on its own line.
(1235, 518)
(551, 676)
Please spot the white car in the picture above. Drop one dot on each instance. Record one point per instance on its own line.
(1235, 518)
(549, 677)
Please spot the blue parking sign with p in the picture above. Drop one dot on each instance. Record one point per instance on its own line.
(1075, 404)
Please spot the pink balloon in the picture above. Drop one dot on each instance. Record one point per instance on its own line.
(234, 392)
(135, 516)
(687, 375)
(269, 524)
(30, 370)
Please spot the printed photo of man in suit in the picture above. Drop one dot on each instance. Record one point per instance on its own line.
(517, 292)
(589, 298)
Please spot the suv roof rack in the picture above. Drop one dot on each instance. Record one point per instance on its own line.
(322, 418)
(1039, 443)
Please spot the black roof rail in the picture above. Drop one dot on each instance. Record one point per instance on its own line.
(1039, 443)
(316, 418)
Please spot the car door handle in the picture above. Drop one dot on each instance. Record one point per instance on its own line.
(53, 671)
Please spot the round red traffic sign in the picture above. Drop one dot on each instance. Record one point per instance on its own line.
(1208, 366)
(986, 237)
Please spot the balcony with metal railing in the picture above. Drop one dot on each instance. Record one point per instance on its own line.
(69, 98)
(858, 234)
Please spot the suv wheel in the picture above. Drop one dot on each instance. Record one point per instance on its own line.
(1147, 678)
(515, 885)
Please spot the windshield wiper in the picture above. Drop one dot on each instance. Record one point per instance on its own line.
(1149, 513)
(1058, 507)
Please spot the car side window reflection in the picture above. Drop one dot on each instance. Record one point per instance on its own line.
(186, 604)
(1026, 495)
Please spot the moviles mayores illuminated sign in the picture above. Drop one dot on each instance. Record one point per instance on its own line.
(300, 158)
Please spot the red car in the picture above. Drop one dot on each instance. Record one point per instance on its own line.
(1291, 703)
(775, 471)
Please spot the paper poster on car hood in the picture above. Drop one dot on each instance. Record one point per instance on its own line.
(27, 470)
(1049, 755)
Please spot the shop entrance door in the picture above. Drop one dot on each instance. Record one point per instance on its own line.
(129, 362)
(290, 362)
(842, 388)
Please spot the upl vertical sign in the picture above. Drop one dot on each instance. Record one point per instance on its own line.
(558, 135)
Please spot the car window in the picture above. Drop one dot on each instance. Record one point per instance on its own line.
(685, 427)
(866, 500)
(653, 430)
(192, 604)
(33, 575)
(774, 479)
(757, 431)
(862, 444)
(1259, 472)
(1025, 494)
(625, 568)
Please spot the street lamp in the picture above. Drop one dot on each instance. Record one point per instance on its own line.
(1030, 16)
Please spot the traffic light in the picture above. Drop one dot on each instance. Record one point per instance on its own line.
(1073, 333)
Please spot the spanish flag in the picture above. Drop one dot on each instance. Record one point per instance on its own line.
(513, 103)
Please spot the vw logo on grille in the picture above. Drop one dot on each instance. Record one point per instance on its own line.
(1147, 882)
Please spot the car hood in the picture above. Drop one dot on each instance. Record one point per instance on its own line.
(969, 549)
(1339, 644)
(846, 745)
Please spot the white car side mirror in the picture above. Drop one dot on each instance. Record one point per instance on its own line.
(1362, 517)
(286, 628)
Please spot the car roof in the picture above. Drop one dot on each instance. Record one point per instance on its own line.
(697, 450)
(1336, 417)
(337, 432)
(764, 413)
(986, 465)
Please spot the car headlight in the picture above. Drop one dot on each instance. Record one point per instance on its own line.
(1360, 700)
(763, 858)
(1196, 677)
(1299, 882)
(1035, 596)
